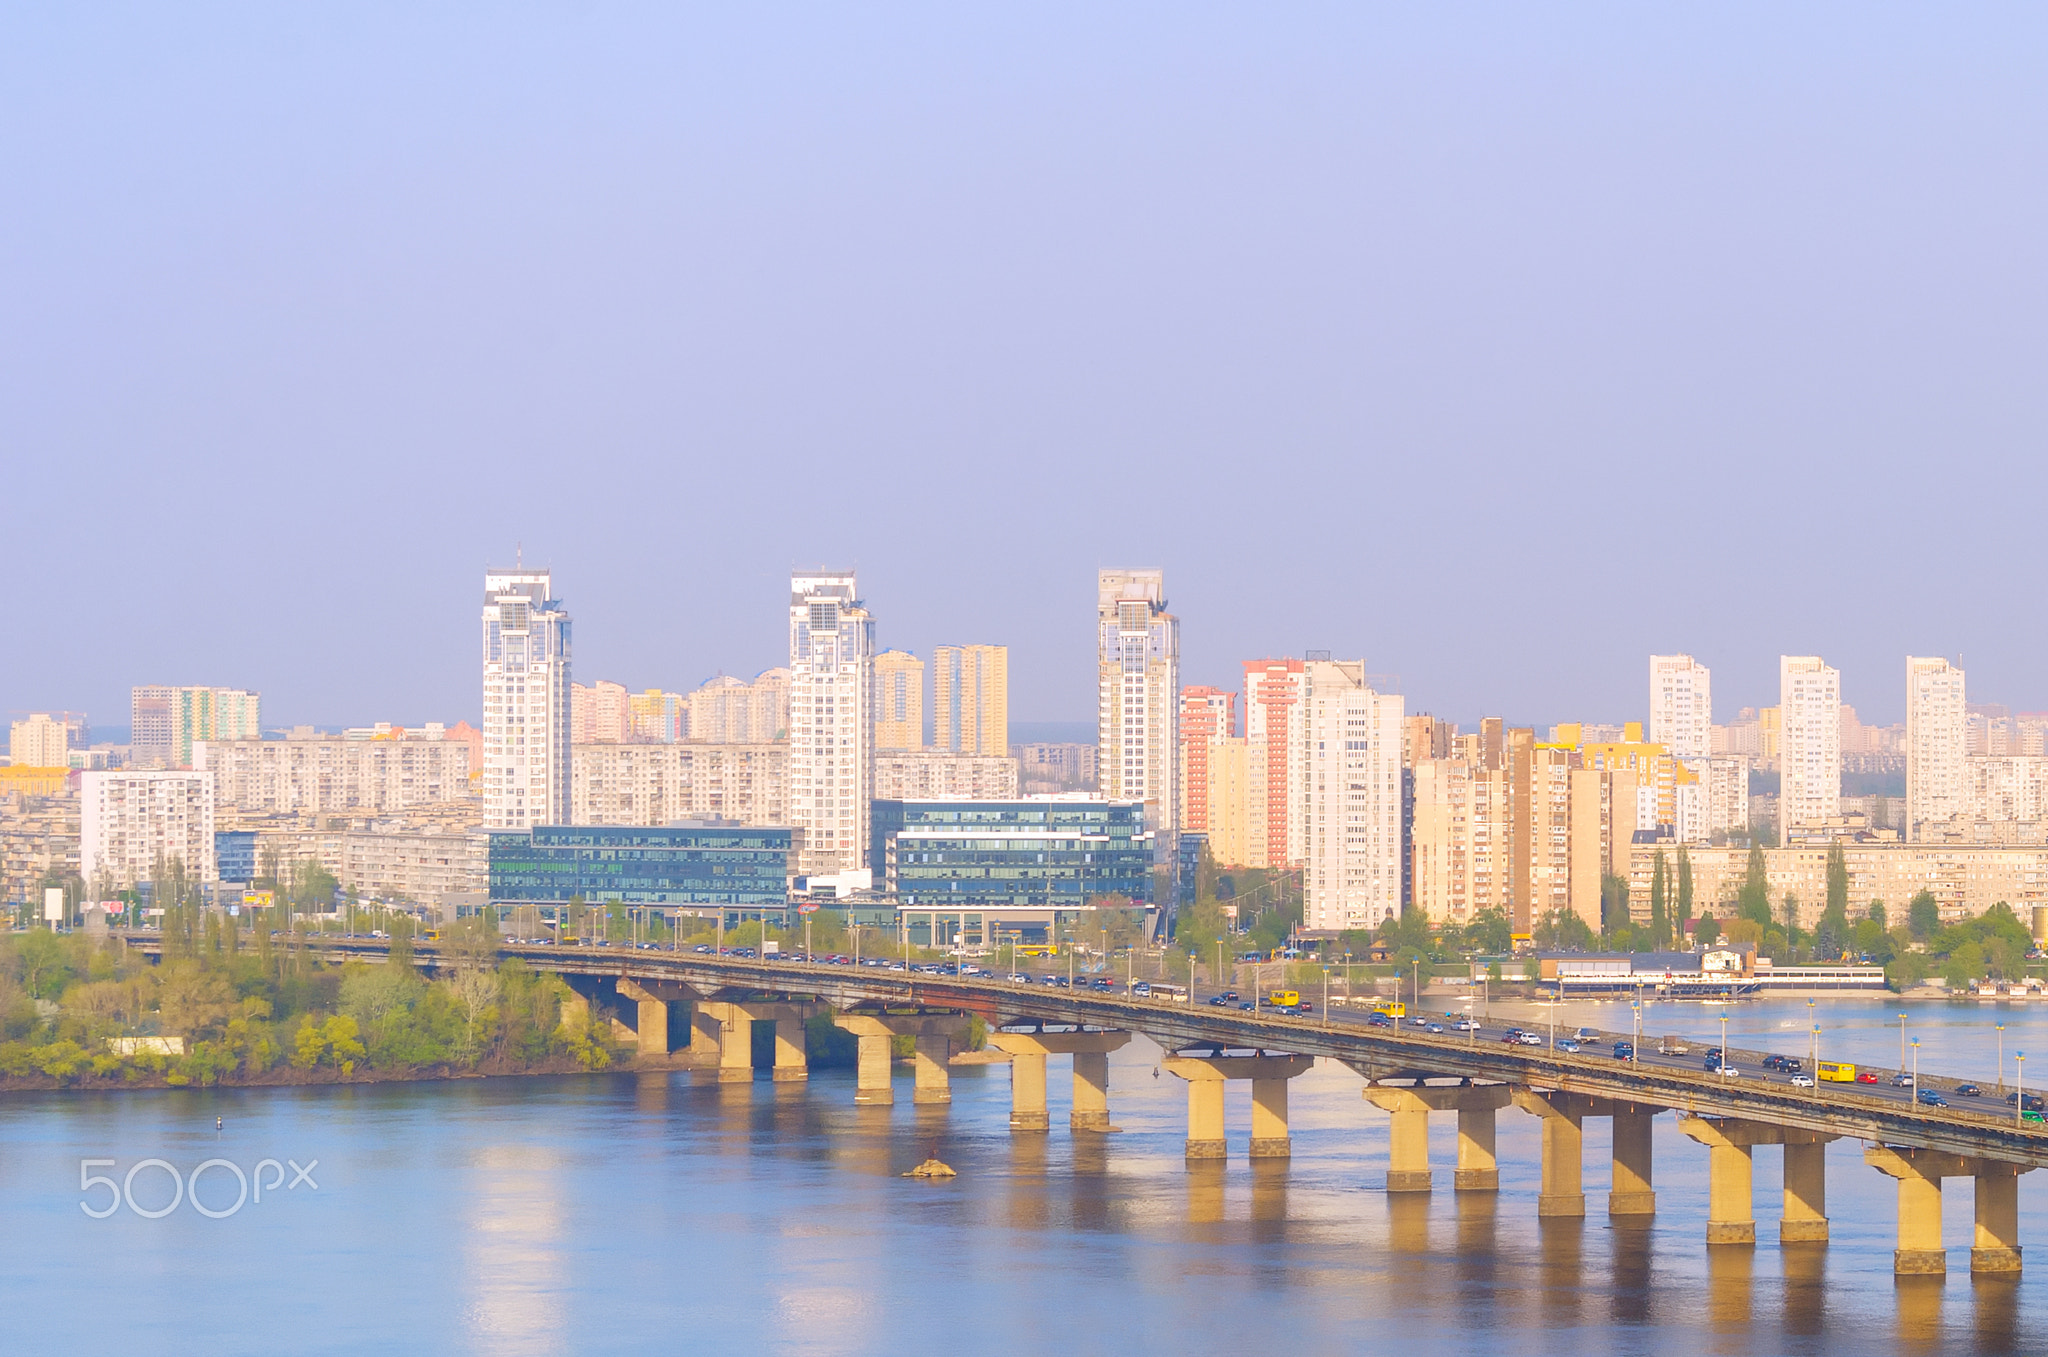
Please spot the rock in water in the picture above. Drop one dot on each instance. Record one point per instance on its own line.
(932, 1168)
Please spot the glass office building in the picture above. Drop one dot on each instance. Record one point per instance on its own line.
(692, 866)
(1045, 851)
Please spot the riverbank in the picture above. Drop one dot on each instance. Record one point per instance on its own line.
(134, 1077)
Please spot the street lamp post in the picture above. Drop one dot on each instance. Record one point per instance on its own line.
(2019, 1088)
(1902, 1041)
(2001, 1057)
(1916, 1067)
(1635, 1044)
(1724, 1033)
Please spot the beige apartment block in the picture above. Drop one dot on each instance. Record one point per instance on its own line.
(899, 701)
(971, 699)
(385, 859)
(133, 821)
(1229, 809)
(2000, 787)
(1965, 879)
(261, 777)
(1809, 742)
(1138, 697)
(655, 784)
(1937, 742)
(937, 775)
(735, 711)
(39, 742)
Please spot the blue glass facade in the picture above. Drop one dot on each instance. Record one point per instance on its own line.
(234, 855)
(1063, 852)
(687, 864)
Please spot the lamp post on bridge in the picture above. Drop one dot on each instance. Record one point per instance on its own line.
(2001, 1057)
(2019, 1089)
(1916, 1069)
(1902, 1042)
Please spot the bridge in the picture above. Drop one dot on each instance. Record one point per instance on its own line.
(1408, 1072)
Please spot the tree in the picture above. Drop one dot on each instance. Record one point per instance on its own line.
(1491, 931)
(1614, 918)
(1923, 916)
(1830, 934)
(1660, 912)
(1707, 931)
(1684, 893)
(1754, 899)
(1791, 914)
(1876, 913)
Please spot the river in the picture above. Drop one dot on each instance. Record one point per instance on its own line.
(624, 1213)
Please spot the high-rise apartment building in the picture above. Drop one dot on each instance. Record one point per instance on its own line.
(733, 711)
(832, 723)
(165, 721)
(597, 713)
(1681, 706)
(1809, 742)
(1274, 691)
(1937, 742)
(1137, 700)
(39, 742)
(1208, 718)
(971, 700)
(526, 742)
(1350, 799)
(132, 823)
(899, 701)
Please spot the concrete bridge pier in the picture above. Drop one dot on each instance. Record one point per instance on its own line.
(651, 999)
(1408, 1134)
(733, 1026)
(1919, 1174)
(1731, 1215)
(1996, 1246)
(1205, 1077)
(1564, 1145)
(1806, 1189)
(1090, 1052)
(1630, 1192)
(935, 1035)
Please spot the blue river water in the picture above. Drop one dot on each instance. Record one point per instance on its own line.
(651, 1213)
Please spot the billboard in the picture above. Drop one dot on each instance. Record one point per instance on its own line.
(53, 904)
(257, 899)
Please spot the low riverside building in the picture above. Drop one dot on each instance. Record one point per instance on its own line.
(692, 867)
(1021, 867)
(1715, 972)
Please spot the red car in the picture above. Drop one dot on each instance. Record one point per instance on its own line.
(1865, 1077)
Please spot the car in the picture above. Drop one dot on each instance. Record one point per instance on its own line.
(1232, 995)
(1305, 1006)
(1434, 1027)
(1586, 1034)
(1968, 1091)
(1247, 1006)
(1774, 1062)
(1019, 978)
(1142, 990)
(1102, 985)
(1866, 1077)
(1221, 1001)
(2034, 1102)
(1379, 1020)
(1802, 1081)
(1568, 1046)
(1624, 1050)
(1714, 1052)
(1902, 1080)
(1712, 1062)
(1729, 1072)
(702, 949)
(1051, 980)
(1927, 1097)
(1531, 1039)
(1792, 1066)
(1467, 1024)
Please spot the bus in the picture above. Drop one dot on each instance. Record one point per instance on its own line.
(1172, 994)
(1831, 1072)
(1032, 949)
(1284, 998)
(1390, 1008)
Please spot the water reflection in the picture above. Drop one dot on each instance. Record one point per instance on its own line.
(514, 1258)
(1919, 1307)
(1632, 1238)
(1731, 1296)
(1998, 1313)
(1561, 1266)
(1478, 1241)
(1205, 1192)
(1806, 1278)
(1408, 1222)
(1269, 1199)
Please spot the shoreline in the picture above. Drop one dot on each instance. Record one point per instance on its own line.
(318, 1076)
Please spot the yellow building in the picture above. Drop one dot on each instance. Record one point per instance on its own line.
(971, 707)
(899, 700)
(26, 781)
(1229, 806)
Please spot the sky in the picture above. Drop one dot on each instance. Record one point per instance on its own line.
(1499, 345)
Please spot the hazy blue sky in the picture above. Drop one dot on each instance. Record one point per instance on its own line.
(1500, 345)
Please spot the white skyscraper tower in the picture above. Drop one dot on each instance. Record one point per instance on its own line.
(1937, 742)
(1138, 699)
(1350, 809)
(526, 701)
(832, 705)
(1681, 706)
(1809, 741)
